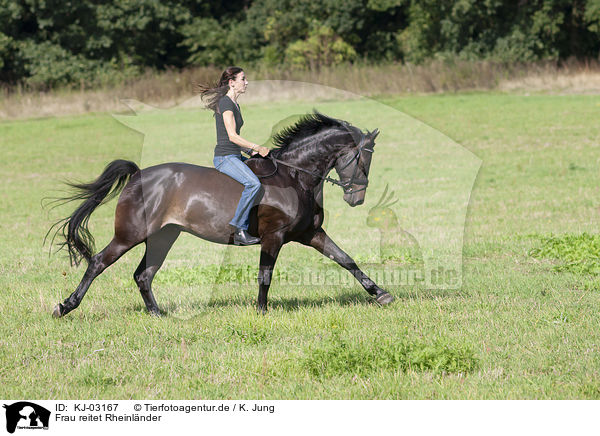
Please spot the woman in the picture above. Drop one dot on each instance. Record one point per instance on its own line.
(222, 99)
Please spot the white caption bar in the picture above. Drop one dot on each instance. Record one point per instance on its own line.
(249, 417)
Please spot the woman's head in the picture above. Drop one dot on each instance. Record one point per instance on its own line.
(231, 78)
(230, 74)
(238, 83)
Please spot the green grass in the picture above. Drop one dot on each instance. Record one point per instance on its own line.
(574, 253)
(519, 327)
(348, 357)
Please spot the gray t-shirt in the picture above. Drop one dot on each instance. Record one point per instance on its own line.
(224, 146)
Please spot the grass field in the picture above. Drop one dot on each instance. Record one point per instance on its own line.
(522, 326)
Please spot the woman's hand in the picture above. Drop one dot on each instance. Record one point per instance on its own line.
(263, 151)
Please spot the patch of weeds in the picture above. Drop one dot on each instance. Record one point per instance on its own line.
(91, 376)
(592, 285)
(578, 254)
(557, 317)
(561, 318)
(339, 357)
(366, 258)
(236, 274)
(252, 335)
(405, 255)
(590, 390)
(183, 276)
(391, 255)
(335, 323)
(208, 275)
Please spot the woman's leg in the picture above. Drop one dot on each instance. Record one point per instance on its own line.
(236, 169)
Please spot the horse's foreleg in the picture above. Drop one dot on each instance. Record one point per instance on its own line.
(323, 243)
(269, 251)
(157, 248)
(98, 263)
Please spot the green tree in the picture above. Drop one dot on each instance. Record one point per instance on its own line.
(47, 43)
(368, 26)
(322, 48)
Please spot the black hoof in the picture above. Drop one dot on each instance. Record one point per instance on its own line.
(384, 298)
(58, 311)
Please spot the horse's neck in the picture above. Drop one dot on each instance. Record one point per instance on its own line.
(317, 161)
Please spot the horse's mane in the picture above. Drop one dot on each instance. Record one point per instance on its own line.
(306, 126)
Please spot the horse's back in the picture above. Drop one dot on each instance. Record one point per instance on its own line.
(183, 178)
(196, 198)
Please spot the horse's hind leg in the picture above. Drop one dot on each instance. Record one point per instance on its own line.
(98, 263)
(157, 247)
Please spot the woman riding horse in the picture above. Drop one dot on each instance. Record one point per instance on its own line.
(222, 99)
(157, 203)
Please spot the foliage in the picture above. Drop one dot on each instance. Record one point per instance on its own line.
(204, 39)
(48, 43)
(592, 16)
(46, 65)
(497, 29)
(322, 48)
(5, 45)
(576, 253)
(340, 356)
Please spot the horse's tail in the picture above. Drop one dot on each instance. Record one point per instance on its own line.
(74, 228)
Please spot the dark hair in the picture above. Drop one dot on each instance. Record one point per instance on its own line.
(211, 94)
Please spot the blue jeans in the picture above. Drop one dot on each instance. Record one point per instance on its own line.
(234, 167)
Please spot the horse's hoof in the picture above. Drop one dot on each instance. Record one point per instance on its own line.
(384, 298)
(155, 313)
(58, 311)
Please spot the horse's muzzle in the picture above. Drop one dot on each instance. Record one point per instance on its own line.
(354, 199)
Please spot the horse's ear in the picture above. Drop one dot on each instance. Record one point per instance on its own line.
(373, 134)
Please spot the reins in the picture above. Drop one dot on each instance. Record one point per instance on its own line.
(346, 186)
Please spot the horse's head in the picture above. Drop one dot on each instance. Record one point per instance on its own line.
(353, 164)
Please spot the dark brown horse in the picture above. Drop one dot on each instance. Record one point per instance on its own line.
(159, 202)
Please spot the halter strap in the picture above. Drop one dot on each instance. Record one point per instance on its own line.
(345, 186)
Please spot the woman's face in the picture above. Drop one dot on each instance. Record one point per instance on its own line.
(239, 84)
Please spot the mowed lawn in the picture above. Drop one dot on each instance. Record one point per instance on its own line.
(524, 324)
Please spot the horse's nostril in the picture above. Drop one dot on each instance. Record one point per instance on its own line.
(354, 203)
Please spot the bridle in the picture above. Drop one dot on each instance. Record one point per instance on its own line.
(346, 186)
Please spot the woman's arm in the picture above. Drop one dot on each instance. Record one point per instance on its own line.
(229, 122)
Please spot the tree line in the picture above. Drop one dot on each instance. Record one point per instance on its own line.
(48, 43)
